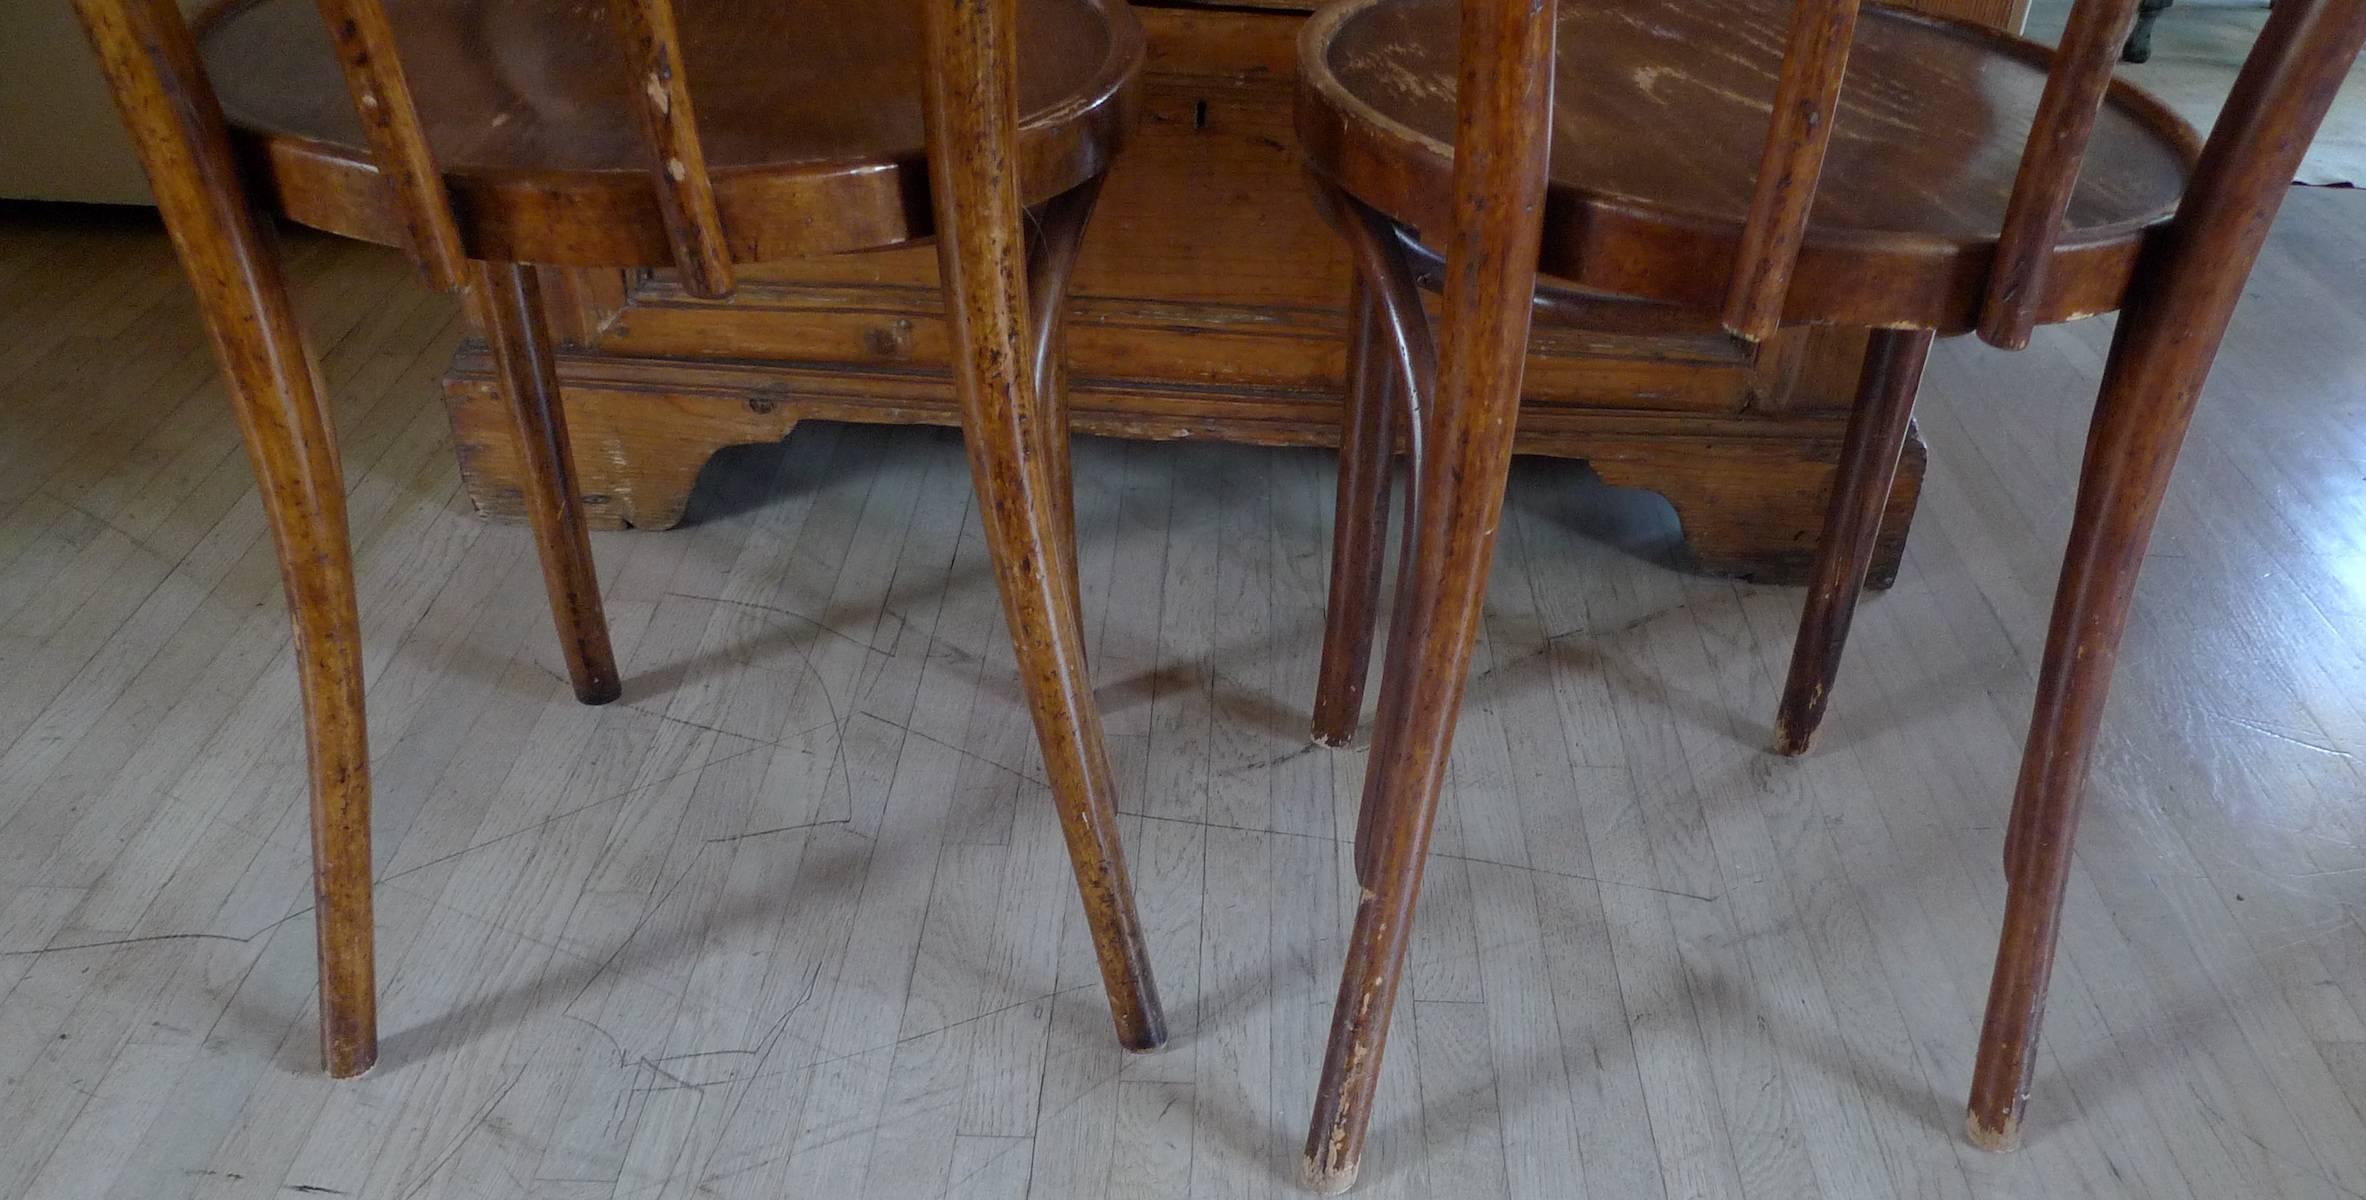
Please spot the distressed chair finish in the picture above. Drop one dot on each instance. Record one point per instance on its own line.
(1751, 164)
(483, 136)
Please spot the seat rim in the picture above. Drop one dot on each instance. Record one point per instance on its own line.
(609, 216)
(1405, 174)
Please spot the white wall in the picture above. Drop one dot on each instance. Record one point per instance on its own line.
(59, 136)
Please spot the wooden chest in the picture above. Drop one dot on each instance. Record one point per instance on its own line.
(1208, 304)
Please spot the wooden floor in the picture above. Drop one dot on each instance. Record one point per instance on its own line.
(793, 920)
(2198, 46)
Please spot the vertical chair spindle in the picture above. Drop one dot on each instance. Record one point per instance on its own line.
(1798, 133)
(2040, 207)
(678, 164)
(367, 54)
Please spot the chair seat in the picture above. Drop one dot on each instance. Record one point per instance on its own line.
(1660, 114)
(809, 109)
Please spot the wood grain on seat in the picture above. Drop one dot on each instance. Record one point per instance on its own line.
(809, 111)
(1661, 109)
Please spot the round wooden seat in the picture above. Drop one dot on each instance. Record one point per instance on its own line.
(810, 111)
(1661, 110)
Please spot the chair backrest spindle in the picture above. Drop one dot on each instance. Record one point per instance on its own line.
(373, 70)
(1799, 131)
(2040, 207)
(652, 44)
(1805, 110)
(685, 192)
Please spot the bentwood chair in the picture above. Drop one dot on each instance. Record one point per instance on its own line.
(1753, 164)
(485, 137)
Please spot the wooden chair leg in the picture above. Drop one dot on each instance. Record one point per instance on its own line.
(177, 127)
(1392, 367)
(1055, 233)
(1505, 91)
(2168, 335)
(517, 333)
(1360, 526)
(1868, 467)
(1367, 457)
(1384, 270)
(969, 100)
(2130, 450)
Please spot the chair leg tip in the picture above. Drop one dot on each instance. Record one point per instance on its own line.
(1149, 1039)
(1332, 739)
(1791, 743)
(352, 1064)
(596, 692)
(2002, 1138)
(1327, 1179)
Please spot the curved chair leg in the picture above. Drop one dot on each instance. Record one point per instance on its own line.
(970, 104)
(1055, 233)
(177, 127)
(2160, 357)
(1499, 170)
(1388, 320)
(1391, 320)
(1367, 457)
(1868, 467)
(517, 332)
